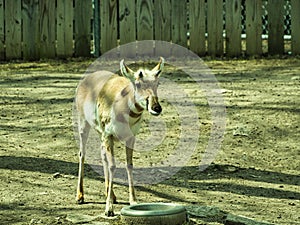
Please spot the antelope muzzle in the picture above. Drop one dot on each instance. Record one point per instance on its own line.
(154, 107)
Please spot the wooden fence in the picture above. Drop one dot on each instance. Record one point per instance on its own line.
(34, 29)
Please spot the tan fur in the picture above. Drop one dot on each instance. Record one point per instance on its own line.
(113, 105)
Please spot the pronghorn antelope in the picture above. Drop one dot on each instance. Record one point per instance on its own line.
(113, 105)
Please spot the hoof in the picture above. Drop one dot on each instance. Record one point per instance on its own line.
(80, 201)
(133, 202)
(109, 214)
(115, 201)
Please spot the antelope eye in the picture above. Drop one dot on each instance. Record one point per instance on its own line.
(141, 75)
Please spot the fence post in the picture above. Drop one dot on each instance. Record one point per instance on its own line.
(127, 28)
(295, 26)
(162, 26)
(13, 33)
(215, 27)
(108, 21)
(64, 28)
(254, 27)
(47, 28)
(145, 28)
(82, 23)
(233, 28)
(275, 27)
(179, 24)
(197, 26)
(2, 32)
(31, 29)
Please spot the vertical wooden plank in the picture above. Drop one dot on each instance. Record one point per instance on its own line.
(2, 31)
(82, 23)
(215, 27)
(295, 26)
(109, 29)
(276, 26)
(233, 28)
(179, 25)
(127, 28)
(179, 22)
(31, 45)
(162, 20)
(47, 28)
(13, 35)
(96, 26)
(145, 31)
(64, 28)
(197, 26)
(162, 26)
(254, 27)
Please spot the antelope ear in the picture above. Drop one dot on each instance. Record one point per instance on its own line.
(158, 68)
(126, 71)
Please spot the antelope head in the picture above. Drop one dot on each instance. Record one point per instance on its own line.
(145, 83)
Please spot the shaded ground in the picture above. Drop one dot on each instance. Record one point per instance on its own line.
(256, 173)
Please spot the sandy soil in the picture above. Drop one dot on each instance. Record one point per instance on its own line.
(255, 174)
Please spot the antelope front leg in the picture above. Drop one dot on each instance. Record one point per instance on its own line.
(108, 145)
(129, 153)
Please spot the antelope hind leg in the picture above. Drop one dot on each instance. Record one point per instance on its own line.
(111, 167)
(84, 129)
(106, 173)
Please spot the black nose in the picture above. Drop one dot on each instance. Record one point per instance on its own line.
(157, 108)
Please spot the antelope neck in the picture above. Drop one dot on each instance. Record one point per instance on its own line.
(135, 109)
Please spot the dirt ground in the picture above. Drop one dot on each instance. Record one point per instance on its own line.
(256, 173)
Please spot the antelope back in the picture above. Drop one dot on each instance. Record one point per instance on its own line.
(87, 94)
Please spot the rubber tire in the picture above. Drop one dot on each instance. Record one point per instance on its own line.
(154, 214)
